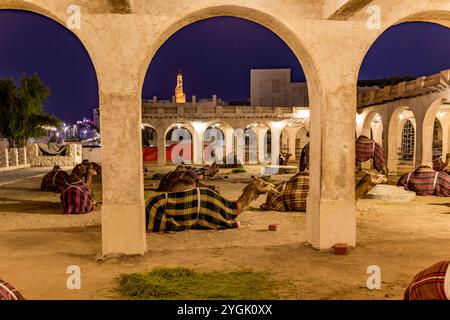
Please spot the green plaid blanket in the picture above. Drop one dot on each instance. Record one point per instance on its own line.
(192, 209)
(289, 196)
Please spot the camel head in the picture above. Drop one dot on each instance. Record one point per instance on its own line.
(261, 186)
(363, 138)
(90, 170)
(376, 178)
(211, 170)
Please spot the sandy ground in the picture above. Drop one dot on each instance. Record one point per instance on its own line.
(38, 243)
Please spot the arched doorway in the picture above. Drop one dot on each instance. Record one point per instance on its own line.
(408, 143)
(179, 145)
(149, 143)
(214, 144)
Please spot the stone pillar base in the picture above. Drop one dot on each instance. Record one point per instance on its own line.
(123, 229)
(336, 223)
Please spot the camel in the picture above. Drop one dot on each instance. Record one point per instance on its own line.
(283, 158)
(77, 197)
(55, 180)
(439, 165)
(292, 195)
(181, 179)
(90, 173)
(368, 181)
(432, 283)
(424, 181)
(200, 208)
(367, 149)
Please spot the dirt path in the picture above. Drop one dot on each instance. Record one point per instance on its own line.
(37, 244)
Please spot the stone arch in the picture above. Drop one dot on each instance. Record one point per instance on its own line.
(265, 19)
(26, 6)
(214, 144)
(395, 127)
(427, 131)
(373, 127)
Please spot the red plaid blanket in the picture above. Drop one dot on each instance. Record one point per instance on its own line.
(370, 150)
(432, 283)
(289, 196)
(426, 182)
(8, 292)
(77, 198)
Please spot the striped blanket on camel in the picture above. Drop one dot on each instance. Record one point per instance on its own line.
(289, 196)
(198, 208)
(77, 198)
(55, 180)
(8, 292)
(426, 182)
(432, 283)
(370, 150)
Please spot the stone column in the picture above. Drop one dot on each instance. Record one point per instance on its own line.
(276, 136)
(261, 134)
(123, 216)
(7, 157)
(424, 144)
(16, 156)
(161, 143)
(198, 147)
(229, 142)
(331, 210)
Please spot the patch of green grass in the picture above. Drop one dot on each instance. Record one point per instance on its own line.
(187, 284)
(238, 170)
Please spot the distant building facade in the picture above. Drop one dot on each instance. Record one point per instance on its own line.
(273, 88)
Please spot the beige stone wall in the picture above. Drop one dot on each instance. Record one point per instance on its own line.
(121, 46)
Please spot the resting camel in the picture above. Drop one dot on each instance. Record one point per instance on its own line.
(432, 283)
(292, 195)
(56, 179)
(77, 197)
(424, 181)
(200, 208)
(439, 165)
(366, 150)
(174, 180)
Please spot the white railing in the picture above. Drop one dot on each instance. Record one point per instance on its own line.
(13, 158)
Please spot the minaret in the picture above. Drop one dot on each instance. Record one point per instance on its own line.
(180, 97)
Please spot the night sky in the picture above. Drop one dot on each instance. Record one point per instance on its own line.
(215, 56)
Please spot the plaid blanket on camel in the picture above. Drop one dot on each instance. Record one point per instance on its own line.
(370, 150)
(426, 182)
(289, 196)
(432, 283)
(8, 292)
(77, 198)
(55, 180)
(198, 208)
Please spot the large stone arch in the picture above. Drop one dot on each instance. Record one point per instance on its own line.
(368, 128)
(245, 12)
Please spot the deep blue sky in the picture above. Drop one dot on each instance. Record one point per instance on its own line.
(215, 56)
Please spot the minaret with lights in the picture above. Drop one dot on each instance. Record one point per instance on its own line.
(180, 97)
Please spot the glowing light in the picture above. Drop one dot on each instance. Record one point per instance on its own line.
(402, 116)
(304, 114)
(279, 125)
(199, 126)
(441, 114)
(359, 119)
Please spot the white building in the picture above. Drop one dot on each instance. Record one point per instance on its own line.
(273, 88)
